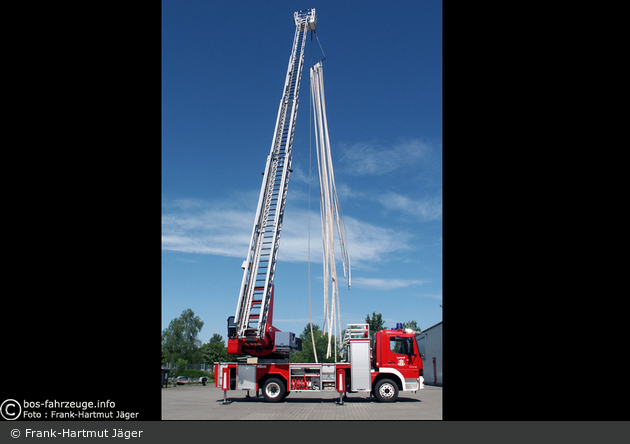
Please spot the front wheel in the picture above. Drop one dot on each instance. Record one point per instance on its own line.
(386, 390)
(274, 390)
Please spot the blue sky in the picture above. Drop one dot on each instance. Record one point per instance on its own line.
(223, 69)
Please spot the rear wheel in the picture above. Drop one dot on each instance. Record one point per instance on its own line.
(274, 390)
(386, 390)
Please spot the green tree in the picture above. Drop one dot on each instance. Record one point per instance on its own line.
(321, 345)
(179, 340)
(181, 366)
(412, 325)
(376, 322)
(214, 351)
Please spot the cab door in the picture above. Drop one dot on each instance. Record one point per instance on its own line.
(403, 356)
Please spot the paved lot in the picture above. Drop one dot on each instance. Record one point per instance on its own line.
(196, 402)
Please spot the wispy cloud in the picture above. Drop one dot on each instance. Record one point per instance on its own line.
(415, 166)
(198, 226)
(431, 296)
(371, 243)
(224, 227)
(375, 158)
(420, 209)
(385, 284)
(423, 209)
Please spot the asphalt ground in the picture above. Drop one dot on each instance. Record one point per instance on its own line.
(196, 402)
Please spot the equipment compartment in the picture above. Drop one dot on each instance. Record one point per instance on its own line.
(305, 377)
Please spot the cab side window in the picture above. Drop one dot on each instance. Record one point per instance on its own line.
(400, 346)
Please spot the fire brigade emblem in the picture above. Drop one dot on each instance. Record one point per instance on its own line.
(401, 361)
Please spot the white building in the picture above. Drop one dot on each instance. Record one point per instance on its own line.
(430, 346)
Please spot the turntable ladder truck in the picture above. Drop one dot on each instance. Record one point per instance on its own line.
(392, 365)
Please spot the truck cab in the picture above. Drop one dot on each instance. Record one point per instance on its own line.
(393, 364)
(396, 357)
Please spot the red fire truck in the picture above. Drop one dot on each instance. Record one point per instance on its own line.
(392, 365)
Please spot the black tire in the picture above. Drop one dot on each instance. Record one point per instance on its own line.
(386, 390)
(274, 390)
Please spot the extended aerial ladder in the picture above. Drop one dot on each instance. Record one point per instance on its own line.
(250, 330)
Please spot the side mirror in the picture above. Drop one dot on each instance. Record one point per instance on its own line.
(231, 327)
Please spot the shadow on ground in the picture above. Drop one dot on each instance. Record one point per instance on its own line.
(297, 400)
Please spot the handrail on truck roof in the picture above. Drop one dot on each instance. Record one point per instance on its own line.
(356, 331)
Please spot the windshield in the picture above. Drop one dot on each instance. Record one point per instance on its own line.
(421, 347)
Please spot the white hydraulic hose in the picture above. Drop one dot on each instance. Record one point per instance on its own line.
(330, 212)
